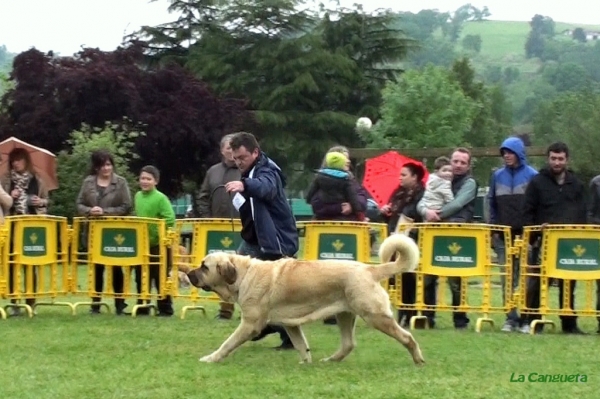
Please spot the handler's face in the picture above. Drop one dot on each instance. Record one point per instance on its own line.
(244, 158)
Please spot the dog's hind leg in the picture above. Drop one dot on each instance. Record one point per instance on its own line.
(388, 325)
(346, 322)
(299, 340)
(243, 333)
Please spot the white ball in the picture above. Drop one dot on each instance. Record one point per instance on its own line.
(364, 123)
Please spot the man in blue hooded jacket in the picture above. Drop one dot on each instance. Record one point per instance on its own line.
(507, 199)
(268, 225)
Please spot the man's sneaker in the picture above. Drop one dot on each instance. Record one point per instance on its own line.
(525, 329)
(508, 327)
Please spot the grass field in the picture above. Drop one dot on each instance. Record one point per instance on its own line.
(503, 42)
(56, 355)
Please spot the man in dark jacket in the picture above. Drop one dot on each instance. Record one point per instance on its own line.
(268, 226)
(460, 210)
(214, 202)
(594, 218)
(506, 198)
(554, 196)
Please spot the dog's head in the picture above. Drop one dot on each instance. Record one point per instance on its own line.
(216, 273)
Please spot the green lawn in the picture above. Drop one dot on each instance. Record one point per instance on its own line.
(55, 355)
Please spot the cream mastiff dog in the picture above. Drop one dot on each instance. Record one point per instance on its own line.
(293, 292)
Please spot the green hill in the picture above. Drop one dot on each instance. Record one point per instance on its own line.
(503, 42)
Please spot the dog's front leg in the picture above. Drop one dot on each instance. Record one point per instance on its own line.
(243, 333)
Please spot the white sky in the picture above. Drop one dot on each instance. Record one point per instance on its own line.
(65, 25)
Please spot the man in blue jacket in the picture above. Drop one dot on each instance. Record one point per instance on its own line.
(507, 199)
(268, 225)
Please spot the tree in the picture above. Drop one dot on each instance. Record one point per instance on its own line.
(307, 78)
(73, 164)
(492, 118)
(426, 108)
(574, 119)
(181, 116)
(579, 35)
(439, 52)
(542, 28)
(472, 42)
(566, 76)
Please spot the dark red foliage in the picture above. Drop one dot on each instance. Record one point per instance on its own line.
(183, 119)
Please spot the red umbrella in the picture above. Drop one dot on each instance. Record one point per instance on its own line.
(382, 175)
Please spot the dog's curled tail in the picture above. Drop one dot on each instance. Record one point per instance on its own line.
(406, 252)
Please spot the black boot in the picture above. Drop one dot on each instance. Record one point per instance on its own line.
(120, 306)
(95, 309)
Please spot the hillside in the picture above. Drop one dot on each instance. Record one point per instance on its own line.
(503, 42)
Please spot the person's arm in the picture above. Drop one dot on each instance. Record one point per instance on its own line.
(352, 197)
(582, 211)
(361, 196)
(531, 204)
(593, 215)
(203, 199)
(263, 186)
(166, 211)
(492, 200)
(125, 207)
(465, 195)
(82, 209)
(6, 201)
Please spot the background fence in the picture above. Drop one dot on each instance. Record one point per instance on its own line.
(47, 262)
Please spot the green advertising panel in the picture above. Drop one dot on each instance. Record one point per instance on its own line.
(34, 241)
(577, 254)
(119, 243)
(459, 252)
(222, 241)
(338, 246)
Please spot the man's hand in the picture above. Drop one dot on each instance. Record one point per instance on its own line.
(432, 216)
(346, 208)
(234, 187)
(15, 193)
(96, 211)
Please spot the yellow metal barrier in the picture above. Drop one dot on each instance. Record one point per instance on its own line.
(202, 236)
(121, 242)
(3, 277)
(567, 254)
(459, 254)
(337, 240)
(35, 261)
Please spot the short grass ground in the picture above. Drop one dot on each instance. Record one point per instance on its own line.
(56, 355)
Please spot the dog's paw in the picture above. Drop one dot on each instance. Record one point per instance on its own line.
(207, 359)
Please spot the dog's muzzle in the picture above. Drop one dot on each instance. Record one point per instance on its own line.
(193, 279)
(195, 282)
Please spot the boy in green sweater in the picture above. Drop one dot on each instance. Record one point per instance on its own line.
(151, 203)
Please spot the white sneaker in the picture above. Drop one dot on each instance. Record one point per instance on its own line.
(507, 327)
(525, 329)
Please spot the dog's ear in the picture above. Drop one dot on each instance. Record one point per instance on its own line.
(228, 272)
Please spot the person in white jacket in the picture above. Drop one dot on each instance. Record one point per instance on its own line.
(438, 191)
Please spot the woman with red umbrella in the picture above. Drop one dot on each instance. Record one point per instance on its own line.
(30, 197)
(403, 201)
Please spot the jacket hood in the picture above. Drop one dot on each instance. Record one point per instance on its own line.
(265, 162)
(515, 145)
(336, 173)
